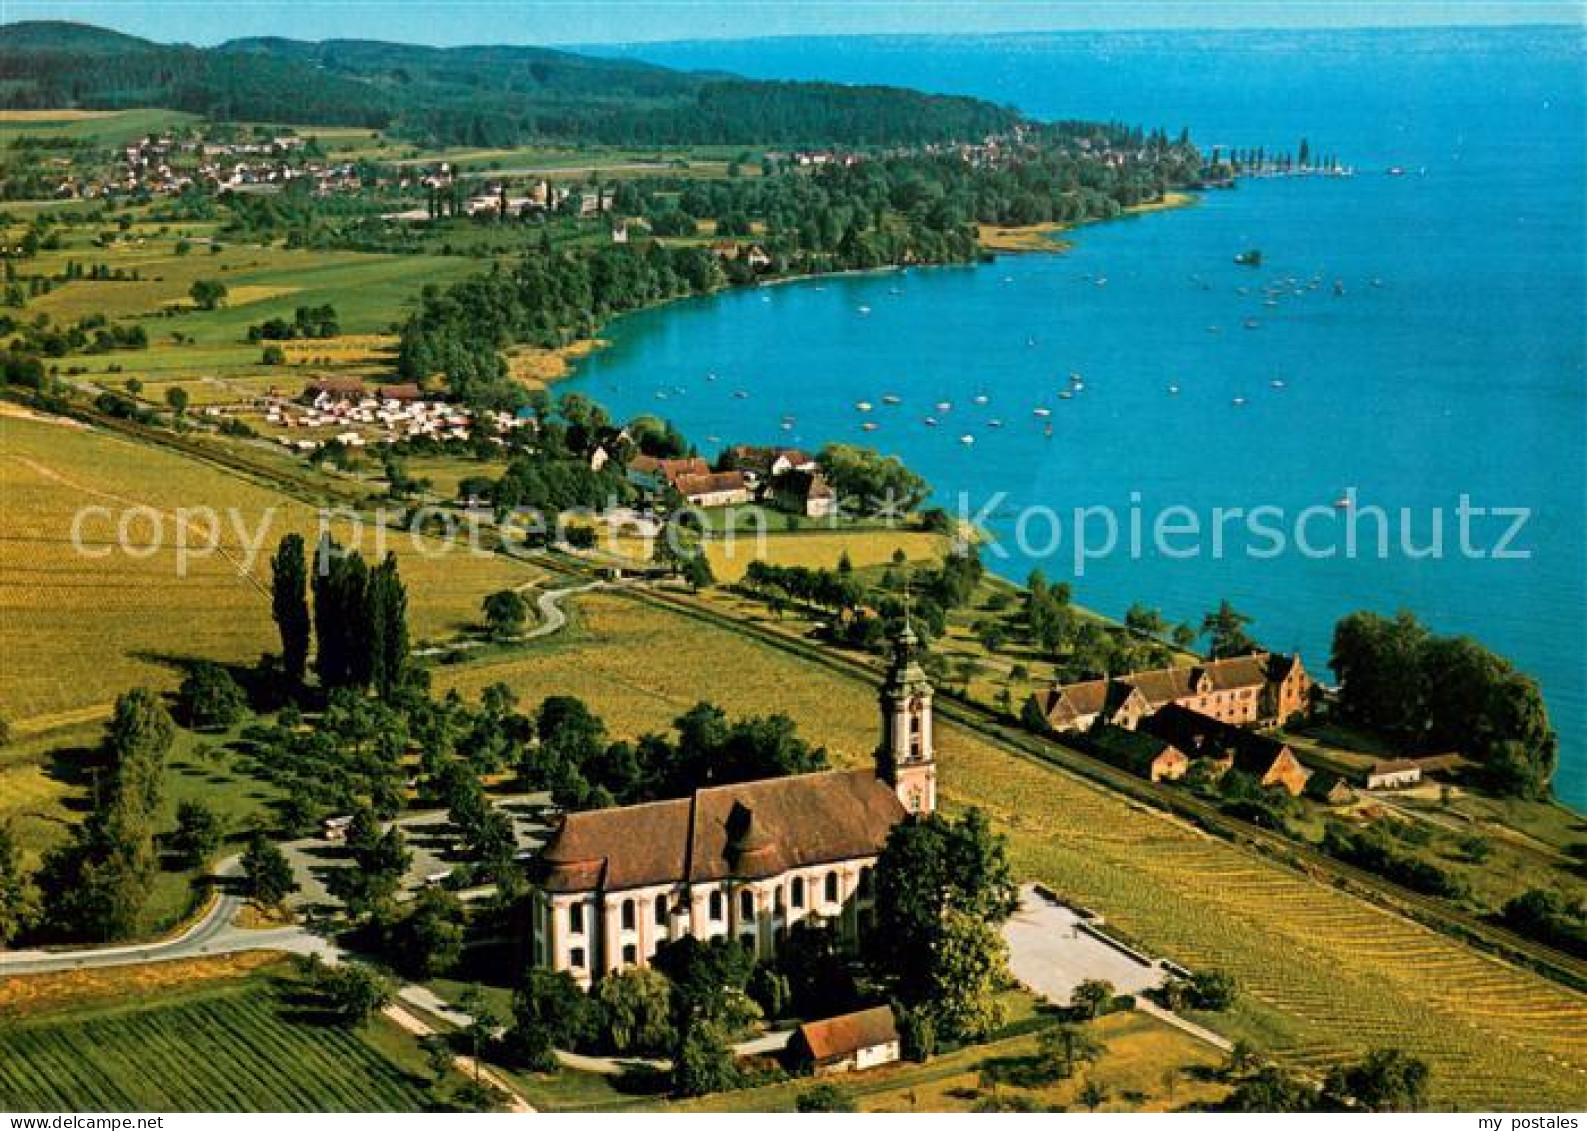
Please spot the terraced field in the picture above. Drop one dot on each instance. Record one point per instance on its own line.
(230, 1048)
(1325, 975)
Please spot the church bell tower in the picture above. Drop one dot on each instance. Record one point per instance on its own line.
(906, 759)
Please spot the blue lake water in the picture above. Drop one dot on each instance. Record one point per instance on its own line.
(1448, 361)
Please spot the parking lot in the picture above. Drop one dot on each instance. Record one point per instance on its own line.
(431, 841)
(1052, 952)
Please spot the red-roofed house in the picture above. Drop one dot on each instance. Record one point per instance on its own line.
(850, 1043)
(1261, 689)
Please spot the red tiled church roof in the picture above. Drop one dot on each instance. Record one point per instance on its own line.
(748, 830)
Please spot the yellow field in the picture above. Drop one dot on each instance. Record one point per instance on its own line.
(25, 116)
(77, 631)
(820, 549)
(1324, 975)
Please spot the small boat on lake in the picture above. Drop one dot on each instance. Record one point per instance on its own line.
(740, 395)
(944, 406)
(980, 398)
(868, 426)
(864, 310)
(930, 422)
(994, 423)
(1343, 503)
(1173, 390)
(1042, 411)
(863, 406)
(1239, 401)
(1277, 382)
(891, 398)
(967, 439)
(1066, 395)
(1251, 323)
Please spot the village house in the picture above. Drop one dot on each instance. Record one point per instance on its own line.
(1260, 689)
(763, 464)
(653, 475)
(744, 861)
(1142, 754)
(805, 492)
(1329, 788)
(850, 1043)
(338, 388)
(1225, 746)
(713, 489)
(1395, 774)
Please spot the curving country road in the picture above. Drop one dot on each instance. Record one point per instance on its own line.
(212, 933)
(553, 618)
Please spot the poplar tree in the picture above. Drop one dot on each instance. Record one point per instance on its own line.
(290, 608)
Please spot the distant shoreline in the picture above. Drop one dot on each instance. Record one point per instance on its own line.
(563, 361)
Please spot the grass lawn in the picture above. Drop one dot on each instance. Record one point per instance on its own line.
(1324, 976)
(239, 1044)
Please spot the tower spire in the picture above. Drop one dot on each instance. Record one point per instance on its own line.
(906, 758)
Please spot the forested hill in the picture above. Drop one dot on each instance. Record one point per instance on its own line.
(487, 96)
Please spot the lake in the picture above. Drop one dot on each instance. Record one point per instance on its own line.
(1408, 340)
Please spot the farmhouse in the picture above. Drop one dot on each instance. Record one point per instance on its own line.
(1329, 788)
(744, 861)
(1145, 755)
(1202, 737)
(338, 388)
(1395, 774)
(850, 1043)
(714, 489)
(805, 492)
(652, 475)
(761, 465)
(1261, 689)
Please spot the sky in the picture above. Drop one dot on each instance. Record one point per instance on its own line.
(453, 22)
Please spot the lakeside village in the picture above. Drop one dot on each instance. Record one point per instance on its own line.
(265, 161)
(348, 415)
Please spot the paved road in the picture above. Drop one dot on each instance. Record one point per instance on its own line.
(213, 933)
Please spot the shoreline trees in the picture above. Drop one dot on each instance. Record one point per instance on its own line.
(1445, 693)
